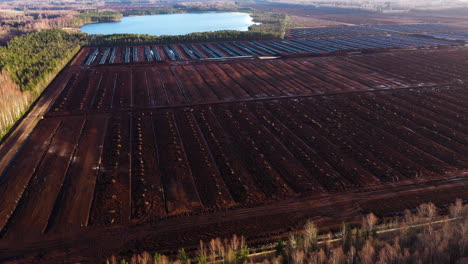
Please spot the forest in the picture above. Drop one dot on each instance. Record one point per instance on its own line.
(29, 59)
(223, 35)
(96, 17)
(156, 11)
(269, 22)
(27, 64)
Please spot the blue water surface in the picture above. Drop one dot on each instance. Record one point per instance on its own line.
(173, 24)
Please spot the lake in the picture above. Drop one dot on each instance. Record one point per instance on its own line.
(173, 24)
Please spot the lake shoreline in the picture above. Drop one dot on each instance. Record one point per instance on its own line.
(151, 24)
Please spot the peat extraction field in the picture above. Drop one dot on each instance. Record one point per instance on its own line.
(158, 155)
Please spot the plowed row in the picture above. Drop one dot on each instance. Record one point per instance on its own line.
(148, 165)
(133, 147)
(109, 89)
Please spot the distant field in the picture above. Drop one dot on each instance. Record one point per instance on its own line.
(449, 16)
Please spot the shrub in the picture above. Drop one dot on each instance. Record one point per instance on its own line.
(415, 238)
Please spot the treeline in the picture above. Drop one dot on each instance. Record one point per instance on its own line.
(145, 12)
(87, 17)
(208, 7)
(270, 22)
(183, 8)
(39, 21)
(27, 64)
(30, 58)
(421, 237)
(223, 35)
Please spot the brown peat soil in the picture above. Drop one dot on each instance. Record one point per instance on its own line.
(156, 156)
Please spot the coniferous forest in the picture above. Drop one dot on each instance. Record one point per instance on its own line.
(28, 59)
(27, 64)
